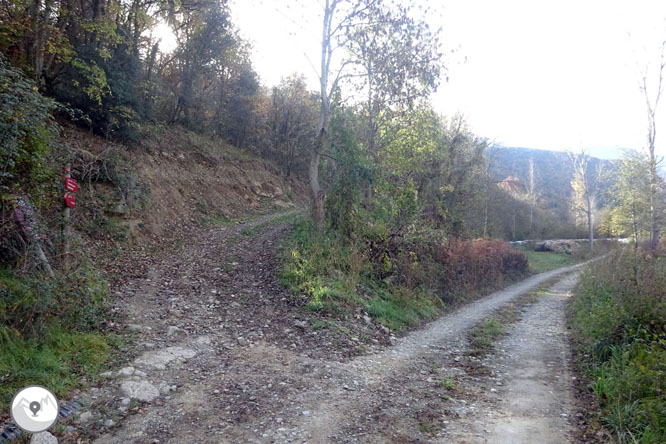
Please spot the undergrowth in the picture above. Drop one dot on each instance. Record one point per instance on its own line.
(618, 317)
(49, 331)
(399, 282)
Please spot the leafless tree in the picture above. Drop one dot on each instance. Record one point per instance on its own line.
(652, 97)
(585, 184)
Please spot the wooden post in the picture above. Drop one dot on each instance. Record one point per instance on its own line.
(67, 229)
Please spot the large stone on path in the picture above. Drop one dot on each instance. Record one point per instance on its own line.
(161, 358)
(141, 390)
(43, 438)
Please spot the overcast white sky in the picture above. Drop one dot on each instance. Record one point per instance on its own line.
(542, 74)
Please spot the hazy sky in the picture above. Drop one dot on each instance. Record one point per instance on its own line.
(543, 74)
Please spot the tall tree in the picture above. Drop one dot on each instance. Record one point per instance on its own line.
(345, 24)
(585, 183)
(397, 61)
(631, 198)
(652, 97)
(531, 192)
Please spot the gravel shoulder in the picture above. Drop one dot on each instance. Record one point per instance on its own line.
(225, 355)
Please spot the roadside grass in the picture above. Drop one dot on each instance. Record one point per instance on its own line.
(618, 318)
(49, 331)
(253, 231)
(57, 361)
(542, 261)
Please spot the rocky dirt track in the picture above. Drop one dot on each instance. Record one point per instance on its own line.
(226, 355)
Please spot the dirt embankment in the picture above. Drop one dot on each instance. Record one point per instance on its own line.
(174, 181)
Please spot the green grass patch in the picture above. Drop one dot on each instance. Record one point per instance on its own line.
(56, 361)
(542, 261)
(49, 330)
(483, 335)
(618, 317)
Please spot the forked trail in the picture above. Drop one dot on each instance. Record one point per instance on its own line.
(226, 356)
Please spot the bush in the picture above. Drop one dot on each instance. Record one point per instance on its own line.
(397, 281)
(618, 317)
(476, 266)
(30, 304)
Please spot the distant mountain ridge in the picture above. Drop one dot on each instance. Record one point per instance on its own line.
(552, 170)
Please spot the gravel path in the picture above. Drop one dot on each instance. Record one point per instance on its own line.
(532, 399)
(226, 356)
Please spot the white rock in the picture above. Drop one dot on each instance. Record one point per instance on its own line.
(43, 438)
(85, 416)
(141, 390)
(109, 423)
(161, 358)
(126, 371)
(173, 330)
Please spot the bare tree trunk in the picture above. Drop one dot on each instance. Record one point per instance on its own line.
(324, 116)
(634, 224)
(652, 106)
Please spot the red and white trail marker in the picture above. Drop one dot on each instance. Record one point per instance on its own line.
(70, 200)
(71, 185)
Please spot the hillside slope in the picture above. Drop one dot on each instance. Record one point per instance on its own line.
(553, 171)
(174, 180)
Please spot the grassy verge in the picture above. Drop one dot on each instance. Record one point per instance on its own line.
(339, 279)
(618, 317)
(49, 332)
(542, 261)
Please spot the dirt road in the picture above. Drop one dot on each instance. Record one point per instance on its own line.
(226, 356)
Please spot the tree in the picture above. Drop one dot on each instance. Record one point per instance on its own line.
(585, 183)
(631, 198)
(344, 23)
(291, 117)
(531, 192)
(396, 62)
(652, 98)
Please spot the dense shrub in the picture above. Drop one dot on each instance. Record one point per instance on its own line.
(29, 304)
(398, 281)
(478, 265)
(619, 320)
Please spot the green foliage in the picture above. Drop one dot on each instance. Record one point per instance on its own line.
(618, 317)
(55, 360)
(27, 131)
(629, 196)
(352, 169)
(399, 282)
(49, 330)
(29, 304)
(338, 277)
